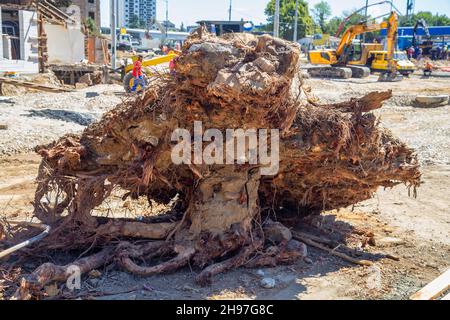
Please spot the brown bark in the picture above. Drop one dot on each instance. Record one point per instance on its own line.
(31, 285)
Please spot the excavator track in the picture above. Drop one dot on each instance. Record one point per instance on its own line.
(331, 72)
(359, 72)
(390, 77)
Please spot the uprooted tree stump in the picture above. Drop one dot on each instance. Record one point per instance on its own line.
(331, 156)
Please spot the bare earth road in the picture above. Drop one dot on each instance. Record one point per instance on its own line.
(416, 230)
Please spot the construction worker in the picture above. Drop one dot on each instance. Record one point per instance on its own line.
(433, 53)
(137, 74)
(410, 52)
(446, 52)
(438, 53)
(428, 70)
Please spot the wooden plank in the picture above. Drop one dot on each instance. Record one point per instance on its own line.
(341, 255)
(434, 289)
(32, 85)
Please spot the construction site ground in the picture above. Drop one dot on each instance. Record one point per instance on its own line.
(415, 230)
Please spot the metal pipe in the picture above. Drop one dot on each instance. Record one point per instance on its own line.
(341, 26)
(113, 34)
(296, 22)
(167, 18)
(46, 230)
(365, 15)
(276, 20)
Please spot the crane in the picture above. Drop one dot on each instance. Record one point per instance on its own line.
(392, 36)
(359, 11)
(410, 4)
(427, 45)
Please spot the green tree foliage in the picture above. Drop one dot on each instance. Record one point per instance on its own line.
(332, 26)
(136, 23)
(91, 26)
(321, 12)
(431, 19)
(287, 17)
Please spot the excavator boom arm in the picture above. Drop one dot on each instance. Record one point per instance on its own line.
(392, 35)
(351, 33)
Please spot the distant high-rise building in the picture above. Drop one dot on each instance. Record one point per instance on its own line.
(120, 14)
(136, 13)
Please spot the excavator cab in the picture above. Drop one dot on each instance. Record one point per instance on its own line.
(322, 56)
(356, 51)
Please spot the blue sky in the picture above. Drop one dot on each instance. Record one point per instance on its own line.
(189, 11)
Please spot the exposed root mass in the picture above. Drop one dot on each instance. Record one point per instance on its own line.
(331, 156)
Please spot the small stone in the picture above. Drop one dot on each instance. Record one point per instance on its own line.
(276, 232)
(260, 273)
(80, 85)
(86, 79)
(299, 248)
(95, 274)
(387, 242)
(3, 127)
(268, 283)
(308, 261)
(52, 290)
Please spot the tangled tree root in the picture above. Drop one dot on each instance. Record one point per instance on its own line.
(183, 255)
(331, 156)
(32, 285)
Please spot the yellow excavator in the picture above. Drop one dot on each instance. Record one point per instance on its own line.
(341, 63)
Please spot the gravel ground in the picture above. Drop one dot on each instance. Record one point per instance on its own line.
(38, 118)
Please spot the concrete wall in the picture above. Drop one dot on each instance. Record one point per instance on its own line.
(28, 35)
(121, 22)
(1, 38)
(64, 45)
(6, 47)
(87, 7)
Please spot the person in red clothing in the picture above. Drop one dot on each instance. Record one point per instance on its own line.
(137, 74)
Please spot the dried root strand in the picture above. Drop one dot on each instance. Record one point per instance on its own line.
(240, 259)
(184, 254)
(31, 285)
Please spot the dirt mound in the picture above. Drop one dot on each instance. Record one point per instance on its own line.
(436, 63)
(330, 156)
